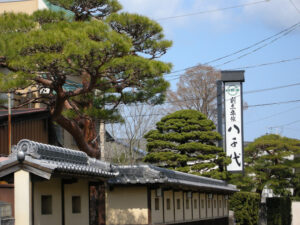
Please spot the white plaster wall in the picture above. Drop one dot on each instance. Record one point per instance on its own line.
(209, 204)
(226, 209)
(169, 214)
(22, 193)
(79, 188)
(178, 212)
(196, 214)
(53, 188)
(221, 205)
(215, 205)
(187, 212)
(156, 215)
(296, 213)
(203, 209)
(42, 5)
(127, 205)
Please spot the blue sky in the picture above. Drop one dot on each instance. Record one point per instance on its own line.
(201, 38)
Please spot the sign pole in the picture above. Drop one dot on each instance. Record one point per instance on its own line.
(234, 140)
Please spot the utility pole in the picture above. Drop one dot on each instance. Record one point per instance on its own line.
(220, 110)
(9, 122)
(102, 140)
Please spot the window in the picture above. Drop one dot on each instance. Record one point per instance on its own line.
(187, 204)
(202, 203)
(46, 204)
(208, 203)
(168, 204)
(76, 204)
(220, 204)
(215, 203)
(156, 203)
(178, 203)
(195, 203)
(225, 204)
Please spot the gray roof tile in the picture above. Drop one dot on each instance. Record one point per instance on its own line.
(46, 160)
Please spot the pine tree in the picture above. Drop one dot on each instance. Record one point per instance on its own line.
(187, 136)
(270, 164)
(111, 56)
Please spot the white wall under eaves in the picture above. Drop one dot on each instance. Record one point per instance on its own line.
(42, 5)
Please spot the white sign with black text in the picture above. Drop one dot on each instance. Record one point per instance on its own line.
(233, 125)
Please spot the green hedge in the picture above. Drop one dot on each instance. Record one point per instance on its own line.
(279, 211)
(246, 207)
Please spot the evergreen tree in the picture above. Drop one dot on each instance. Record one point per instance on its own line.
(111, 56)
(269, 163)
(187, 136)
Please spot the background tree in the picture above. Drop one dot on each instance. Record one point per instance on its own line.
(197, 90)
(112, 58)
(187, 136)
(269, 163)
(138, 120)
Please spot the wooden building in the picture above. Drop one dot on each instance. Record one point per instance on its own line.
(30, 124)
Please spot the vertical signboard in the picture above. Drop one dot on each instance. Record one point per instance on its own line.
(233, 125)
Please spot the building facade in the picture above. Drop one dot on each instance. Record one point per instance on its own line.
(24, 6)
(54, 185)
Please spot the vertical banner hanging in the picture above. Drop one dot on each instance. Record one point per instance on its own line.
(233, 102)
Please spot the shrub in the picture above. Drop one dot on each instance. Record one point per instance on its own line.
(279, 211)
(246, 207)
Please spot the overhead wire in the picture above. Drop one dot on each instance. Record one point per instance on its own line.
(245, 93)
(289, 29)
(287, 124)
(274, 103)
(259, 48)
(212, 10)
(281, 34)
(247, 67)
(249, 106)
(267, 64)
(294, 5)
(273, 115)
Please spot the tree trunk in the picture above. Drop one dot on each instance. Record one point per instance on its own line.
(85, 138)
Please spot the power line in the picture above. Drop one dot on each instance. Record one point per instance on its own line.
(287, 124)
(245, 93)
(267, 64)
(259, 48)
(274, 103)
(293, 4)
(282, 33)
(249, 106)
(213, 10)
(246, 67)
(275, 114)
(289, 29)
(273, 88)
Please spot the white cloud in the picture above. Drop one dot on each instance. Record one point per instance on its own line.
(274, 13)
(153, 8)
(159, 9)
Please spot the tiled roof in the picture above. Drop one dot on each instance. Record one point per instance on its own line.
(148, 174)
(52, 159)
(45, 160)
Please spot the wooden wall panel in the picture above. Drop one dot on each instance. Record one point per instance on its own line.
(7, 195)
(35, 130)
